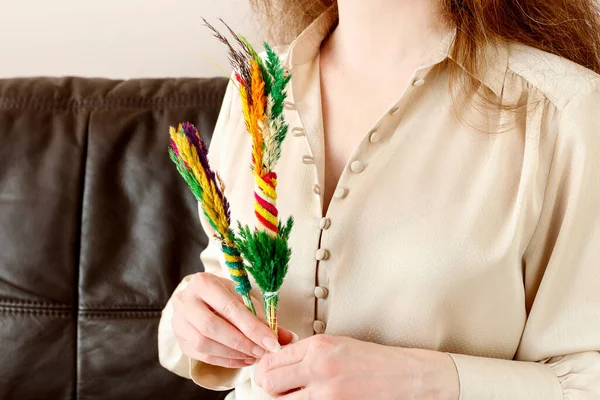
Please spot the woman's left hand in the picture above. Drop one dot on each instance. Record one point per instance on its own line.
(332, 367)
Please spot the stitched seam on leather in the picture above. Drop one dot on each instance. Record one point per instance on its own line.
(122, 314)
(81, 313)
(99, 102)
(37, 311)
(118, 103)
(92, 306)
(123, 310)
(42, 305)
(34, 304)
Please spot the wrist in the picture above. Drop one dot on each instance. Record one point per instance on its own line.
(434, 373)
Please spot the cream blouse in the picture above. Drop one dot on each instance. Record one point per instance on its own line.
(484, 246)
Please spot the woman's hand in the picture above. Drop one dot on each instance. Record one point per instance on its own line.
(213, 325)
(330, 367)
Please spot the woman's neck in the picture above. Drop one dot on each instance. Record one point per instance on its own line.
(377, 35)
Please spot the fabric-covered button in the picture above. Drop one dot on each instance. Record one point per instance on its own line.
(357, 167)
(324, 223)
(319, 326)
(289, 105)
(298, 131)
(340, 193)
(322, 254)
(321, 292)
(419, 82)
(308, 160)
(375, 137)
(317, 189)
(394, 110)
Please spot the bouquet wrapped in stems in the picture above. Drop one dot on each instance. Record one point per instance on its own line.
(264, 247)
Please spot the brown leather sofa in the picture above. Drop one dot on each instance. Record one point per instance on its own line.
(96, 230)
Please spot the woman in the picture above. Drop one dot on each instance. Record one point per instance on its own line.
(443, 170)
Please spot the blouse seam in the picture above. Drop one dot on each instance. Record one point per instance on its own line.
(562, 112)
(560, 392)
(585, 88)
(534, 85)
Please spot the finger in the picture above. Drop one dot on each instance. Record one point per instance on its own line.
(285, 336)
(229, 284)
(201, 344)
(301, 394)
(214, 327)
(279, 381)
(260, 314)
(289, 355)
(233, 310)
(214, 360)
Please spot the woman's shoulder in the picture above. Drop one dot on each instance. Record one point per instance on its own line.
(558, 78)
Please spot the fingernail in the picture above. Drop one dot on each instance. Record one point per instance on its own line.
(258, 351)
(250, 361)
(271, 344)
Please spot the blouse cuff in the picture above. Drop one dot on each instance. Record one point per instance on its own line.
(217, 378)
(578, 374)
(491, 378)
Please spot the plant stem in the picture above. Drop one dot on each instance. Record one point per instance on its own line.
(270, 303)
(248, 303)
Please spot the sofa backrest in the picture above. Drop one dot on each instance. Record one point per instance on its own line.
(96, 230)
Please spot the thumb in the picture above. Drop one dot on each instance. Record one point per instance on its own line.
(285, 336)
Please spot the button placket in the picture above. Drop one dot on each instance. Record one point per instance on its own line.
(298, 131)
(357, 166)
(322, 255)
(286, 71)
(358, 163)
(340, 193)
(319, 326)
(374, 137)
(324, 223)
(417, 80)
(306, 159)
(308, 125)
(321, 292)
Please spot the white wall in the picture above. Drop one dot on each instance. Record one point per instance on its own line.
(117, 38)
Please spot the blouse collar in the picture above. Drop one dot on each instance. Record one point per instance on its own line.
(307, 44)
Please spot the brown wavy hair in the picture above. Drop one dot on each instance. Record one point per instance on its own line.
(570, 29)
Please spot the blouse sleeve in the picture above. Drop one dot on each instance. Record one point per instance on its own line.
(169, 354)
(559, 354)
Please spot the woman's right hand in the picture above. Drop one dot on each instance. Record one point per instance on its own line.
(212, 324)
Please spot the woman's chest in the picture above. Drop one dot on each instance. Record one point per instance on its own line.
(343, 123)
(422, 241)
(425, 237)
